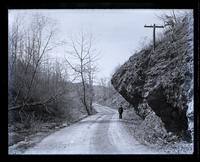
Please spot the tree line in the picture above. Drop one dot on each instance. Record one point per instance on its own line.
(39, 85)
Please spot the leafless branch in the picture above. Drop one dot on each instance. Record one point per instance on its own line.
(52, 98)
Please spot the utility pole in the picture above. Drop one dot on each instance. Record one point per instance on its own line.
(154, 33)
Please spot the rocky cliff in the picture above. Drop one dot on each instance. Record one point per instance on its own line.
(161, 81)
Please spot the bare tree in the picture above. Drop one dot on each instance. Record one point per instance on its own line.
(13, 39)
(82, 58)
(170, 21)
(91, 70)
(27, 51)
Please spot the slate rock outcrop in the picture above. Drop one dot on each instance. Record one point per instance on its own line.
(161, 81)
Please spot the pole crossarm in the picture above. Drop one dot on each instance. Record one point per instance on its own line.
(151, 26)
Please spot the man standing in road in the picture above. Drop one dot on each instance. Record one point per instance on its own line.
(120, 110)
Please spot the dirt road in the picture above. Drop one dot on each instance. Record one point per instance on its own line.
(102, 133)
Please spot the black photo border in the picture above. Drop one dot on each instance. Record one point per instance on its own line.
(5, 5)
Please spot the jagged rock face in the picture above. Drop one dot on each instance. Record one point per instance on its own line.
(162, 80)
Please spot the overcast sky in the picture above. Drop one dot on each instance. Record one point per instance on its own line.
(118, 33)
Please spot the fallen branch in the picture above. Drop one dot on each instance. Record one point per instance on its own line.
(52, 98)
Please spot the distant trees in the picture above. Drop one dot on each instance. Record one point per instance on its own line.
(106, 89)
(82, 57)
(103, 84)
